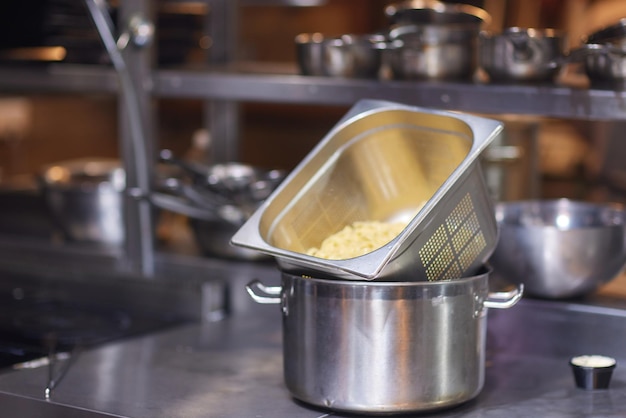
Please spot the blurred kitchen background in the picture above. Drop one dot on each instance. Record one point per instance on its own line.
(37, 129)
(536, 157)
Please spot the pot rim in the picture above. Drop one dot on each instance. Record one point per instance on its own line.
(485, 271)
(481, 16)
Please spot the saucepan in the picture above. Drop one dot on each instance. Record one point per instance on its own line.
(603, 55)
(605, 64)
(522, 54)
(384, 347)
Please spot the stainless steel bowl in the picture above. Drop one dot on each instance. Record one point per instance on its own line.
(559, 248)
(522, 54)
(349, 56)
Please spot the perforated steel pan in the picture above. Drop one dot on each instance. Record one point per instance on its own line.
(385, 162)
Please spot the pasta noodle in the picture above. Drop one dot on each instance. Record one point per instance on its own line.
(357, 239)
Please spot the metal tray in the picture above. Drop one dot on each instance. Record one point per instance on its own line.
(385, 161)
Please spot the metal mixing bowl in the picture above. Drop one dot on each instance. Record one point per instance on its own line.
(559, 248)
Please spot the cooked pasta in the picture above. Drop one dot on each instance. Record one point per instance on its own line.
(357, 239)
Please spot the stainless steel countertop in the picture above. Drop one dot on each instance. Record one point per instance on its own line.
(233, 368)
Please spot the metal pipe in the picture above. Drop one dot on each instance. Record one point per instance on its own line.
(142, 189)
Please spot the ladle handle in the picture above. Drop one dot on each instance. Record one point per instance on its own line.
(167, 156)
(178, 205)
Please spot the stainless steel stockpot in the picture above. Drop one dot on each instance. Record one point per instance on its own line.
(433, 40)
(410, 57)
(383, 347)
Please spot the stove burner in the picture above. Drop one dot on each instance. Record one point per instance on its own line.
(35, 328)
(42, 322)
(64, 323)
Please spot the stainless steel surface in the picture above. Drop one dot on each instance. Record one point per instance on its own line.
(351, 56)
(185, 283)
(372, 347)
(522, 54)
(385, 162)
(560, 248)
(191, 289)
(85, 197)
(233, 368)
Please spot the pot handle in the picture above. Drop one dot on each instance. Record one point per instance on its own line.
(269, 294)
(503, 300)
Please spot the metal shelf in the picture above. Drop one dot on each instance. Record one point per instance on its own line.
(58, 78)
(545, 100)
(210, 84)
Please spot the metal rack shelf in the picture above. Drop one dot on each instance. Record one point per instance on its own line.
(546, 100)
(211, 84)
(58, 78)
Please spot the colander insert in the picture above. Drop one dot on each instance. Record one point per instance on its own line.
(386, 162)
